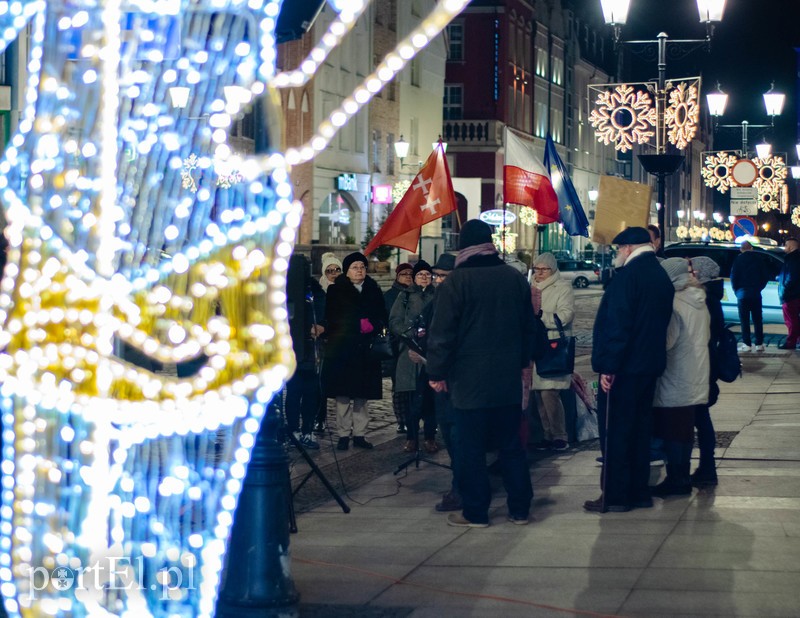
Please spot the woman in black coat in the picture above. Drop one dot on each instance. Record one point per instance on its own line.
(355, 312)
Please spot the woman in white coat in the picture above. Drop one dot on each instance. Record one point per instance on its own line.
(684, 384)
(553, 296)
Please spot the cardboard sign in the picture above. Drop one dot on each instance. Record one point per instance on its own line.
(620, 204)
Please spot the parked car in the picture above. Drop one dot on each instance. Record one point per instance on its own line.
(580, 272)
(724, 254)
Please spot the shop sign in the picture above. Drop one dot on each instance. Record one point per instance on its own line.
(497, 217)
(382, 194)
(346, 182)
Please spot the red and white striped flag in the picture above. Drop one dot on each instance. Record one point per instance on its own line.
(526, 181)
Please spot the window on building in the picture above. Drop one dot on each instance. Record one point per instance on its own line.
(455, 35)
(558, 71)
(540, 119)
(453, 104)
(415, 71)
(390, 154)
(413, 141)
(512, 44)
(376, 151)
(541, 61)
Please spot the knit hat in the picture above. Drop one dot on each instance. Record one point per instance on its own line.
(678, 271)
(330, 259)
(350, 259)
(475, 232)
(632, 236)
(420, 266)
(547, 260)
(705, 269)
(446, 261)
(401, 267)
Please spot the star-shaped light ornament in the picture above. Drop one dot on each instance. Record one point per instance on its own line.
(682, 114)
(623, 116)
(528, 216)
(796, 216)
(143, 326)
(717, 171)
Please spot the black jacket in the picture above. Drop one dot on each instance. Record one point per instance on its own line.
(349, 372)
(302, 318)
(789, 279)
(715, 290)
(481, 334)
(630, 330)
(748, 275)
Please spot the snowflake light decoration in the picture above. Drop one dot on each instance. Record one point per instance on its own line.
(624, 116)
(796, 216)
(504, 239)
(717, 171)
(528, 216)
(771, 175)
(682, 232)
(682, 114)
(399, 189)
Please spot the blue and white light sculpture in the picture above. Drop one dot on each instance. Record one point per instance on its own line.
(120, 482)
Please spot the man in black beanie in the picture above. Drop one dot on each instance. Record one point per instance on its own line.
(478, 344)
(629, 352)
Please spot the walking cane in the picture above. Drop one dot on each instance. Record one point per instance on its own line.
(604, 473)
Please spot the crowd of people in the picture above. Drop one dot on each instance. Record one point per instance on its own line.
(463, 363)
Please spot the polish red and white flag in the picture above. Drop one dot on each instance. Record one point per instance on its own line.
(525, 179)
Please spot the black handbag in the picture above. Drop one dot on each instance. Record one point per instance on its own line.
(380, 346)
(559, 357)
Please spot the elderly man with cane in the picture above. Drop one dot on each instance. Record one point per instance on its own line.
(629, 353)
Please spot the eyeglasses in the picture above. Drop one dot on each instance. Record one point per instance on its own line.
(404, 274)
(357, 266)
(423, 273)
(331, 271)
(440, 275)
(541, 269)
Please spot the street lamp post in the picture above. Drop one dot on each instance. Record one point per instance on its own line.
(773, 103)
(661, 164)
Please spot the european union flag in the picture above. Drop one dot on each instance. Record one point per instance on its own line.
(573, 218)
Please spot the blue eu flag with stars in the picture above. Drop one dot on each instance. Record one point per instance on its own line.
(571, 213)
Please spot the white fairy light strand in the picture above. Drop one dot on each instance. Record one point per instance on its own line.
(338, 29)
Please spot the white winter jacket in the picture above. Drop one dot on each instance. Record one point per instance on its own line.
(685, 380)
(557, 297)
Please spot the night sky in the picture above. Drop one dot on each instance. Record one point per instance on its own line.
(752, 46)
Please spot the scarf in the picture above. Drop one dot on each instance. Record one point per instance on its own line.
(486, 248)
(536, 291)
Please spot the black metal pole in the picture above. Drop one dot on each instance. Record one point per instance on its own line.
(661, 136)
(257, 581)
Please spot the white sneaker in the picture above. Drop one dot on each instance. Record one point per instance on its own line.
(758, 348)
(743, 347)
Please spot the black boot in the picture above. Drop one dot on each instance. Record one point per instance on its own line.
(344, 444)
(671, 486)
(704, 477)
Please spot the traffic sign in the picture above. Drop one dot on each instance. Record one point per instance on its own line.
(743, 226)
(744, 201)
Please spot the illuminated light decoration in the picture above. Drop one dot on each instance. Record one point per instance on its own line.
(717, 171)
(772, 172)
(498, 217)
(623, 116)
(225, 176)
(505, 240)
(682, 232)
(528, 216)
(682, 114)
(796, 216)
(104, 458)
(399, 189)
(394, 62)
(697, 231)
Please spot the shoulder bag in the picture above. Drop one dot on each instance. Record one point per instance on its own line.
(559, 356)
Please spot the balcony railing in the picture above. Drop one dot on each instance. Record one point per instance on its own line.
(473, 133)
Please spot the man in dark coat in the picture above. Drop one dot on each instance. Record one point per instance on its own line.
(400, 401)
(478, 344)
(748, 278)
(789, 292)
(629, 353)
(355, 313)
(306, 305)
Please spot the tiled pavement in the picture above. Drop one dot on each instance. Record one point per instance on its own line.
(729, 551)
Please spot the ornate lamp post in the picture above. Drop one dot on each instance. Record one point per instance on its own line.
(661, 164)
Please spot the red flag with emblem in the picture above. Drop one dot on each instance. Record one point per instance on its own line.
(429, 197)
